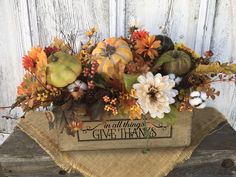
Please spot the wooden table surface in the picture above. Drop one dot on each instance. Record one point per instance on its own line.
(20, 156)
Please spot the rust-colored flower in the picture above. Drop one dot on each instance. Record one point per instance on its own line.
(28, 63)
(21, 89)
(139, 34)
(28, 86)
(50, 50)
(75, 126)
(208, 53)
(148, 46)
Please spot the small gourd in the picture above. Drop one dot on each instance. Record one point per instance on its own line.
(166, 44)
(179, 62)
(110, 52)
(63, 69)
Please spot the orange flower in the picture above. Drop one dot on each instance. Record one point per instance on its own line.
(34, 52)
(148, 46)
(21, 89)
(28, 63)
(75, 126)
(29, 85)
(139, 34)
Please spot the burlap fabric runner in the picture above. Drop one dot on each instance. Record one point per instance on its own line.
(119, 163)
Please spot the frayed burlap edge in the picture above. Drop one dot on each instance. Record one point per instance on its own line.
(188, 151)
(67, 163)
(63, 160)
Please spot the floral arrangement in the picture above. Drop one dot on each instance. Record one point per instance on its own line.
(141, 76)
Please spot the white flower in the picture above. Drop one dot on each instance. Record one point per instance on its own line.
(155, 94)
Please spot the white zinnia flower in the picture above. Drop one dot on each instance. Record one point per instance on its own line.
(155, 94)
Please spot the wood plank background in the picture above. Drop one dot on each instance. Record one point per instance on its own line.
(201, 24)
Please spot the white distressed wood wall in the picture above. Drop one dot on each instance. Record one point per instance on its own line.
(201, 24)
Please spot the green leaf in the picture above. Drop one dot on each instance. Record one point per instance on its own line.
(99, 81)
(170, 118)
(129, 80)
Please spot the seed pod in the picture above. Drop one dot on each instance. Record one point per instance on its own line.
(197, 99)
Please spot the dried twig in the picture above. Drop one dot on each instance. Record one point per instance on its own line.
(5, 107)
(70, 40)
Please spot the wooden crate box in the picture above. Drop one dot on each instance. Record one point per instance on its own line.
(121, 133)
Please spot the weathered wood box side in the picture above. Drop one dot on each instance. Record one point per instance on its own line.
(122, 133)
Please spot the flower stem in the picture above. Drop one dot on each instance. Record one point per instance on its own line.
(147, 135)
(40, 82)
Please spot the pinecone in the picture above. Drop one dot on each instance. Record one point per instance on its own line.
(191, 80)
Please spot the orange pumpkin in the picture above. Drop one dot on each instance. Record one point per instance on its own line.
(109, 52)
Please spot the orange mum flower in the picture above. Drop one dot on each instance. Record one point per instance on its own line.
(148, 46)
(34, 52)
(28, 63)
(139, 34)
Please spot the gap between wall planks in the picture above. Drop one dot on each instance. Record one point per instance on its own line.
(14, 39)
(200, 24)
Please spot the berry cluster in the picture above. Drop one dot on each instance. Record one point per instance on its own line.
(89, 71)
(110, 105)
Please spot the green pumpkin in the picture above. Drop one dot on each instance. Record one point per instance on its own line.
(63, 69)
(166, 44)
(179, 62)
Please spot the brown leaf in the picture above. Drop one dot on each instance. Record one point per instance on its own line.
(31, 103)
